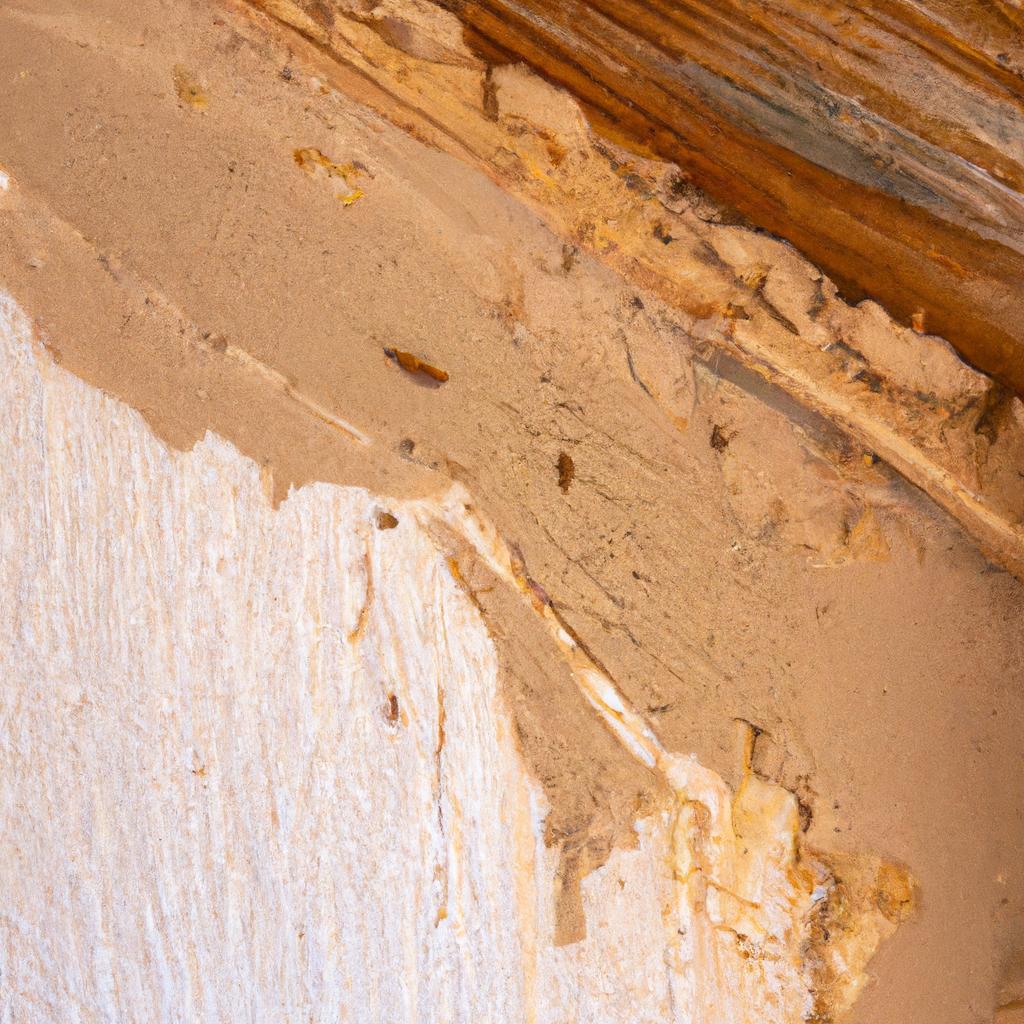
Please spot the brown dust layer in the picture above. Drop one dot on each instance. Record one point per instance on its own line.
(723, 560)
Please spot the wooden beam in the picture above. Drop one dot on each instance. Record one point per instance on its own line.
(882, 138)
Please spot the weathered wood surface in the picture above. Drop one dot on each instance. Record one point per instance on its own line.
(181, 259)
(903, 396)
(884, 138)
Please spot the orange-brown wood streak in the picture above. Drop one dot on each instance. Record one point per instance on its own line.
(866, 134)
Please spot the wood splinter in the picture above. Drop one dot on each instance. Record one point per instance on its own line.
(416, 366)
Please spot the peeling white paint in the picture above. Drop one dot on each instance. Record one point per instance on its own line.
(256, 766)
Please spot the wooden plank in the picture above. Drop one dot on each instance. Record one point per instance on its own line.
(883, 139)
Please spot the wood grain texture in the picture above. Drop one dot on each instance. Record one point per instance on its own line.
(903, 395)
(881, 137)
(151, 269)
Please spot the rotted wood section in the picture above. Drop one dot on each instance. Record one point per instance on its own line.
(883, 139)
